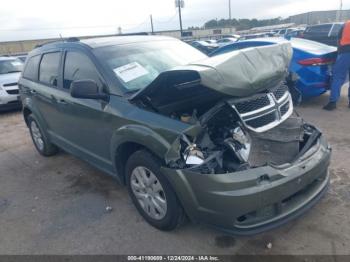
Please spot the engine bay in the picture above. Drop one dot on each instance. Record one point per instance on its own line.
(236, 133)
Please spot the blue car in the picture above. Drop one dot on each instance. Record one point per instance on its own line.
(311, 62)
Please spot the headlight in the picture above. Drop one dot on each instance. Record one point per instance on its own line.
(240, 144)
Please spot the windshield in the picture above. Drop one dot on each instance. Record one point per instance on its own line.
(11, 66)
(136, 65)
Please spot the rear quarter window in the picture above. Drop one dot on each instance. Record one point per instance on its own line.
(49, 68)
(335, 30)
(31, 69)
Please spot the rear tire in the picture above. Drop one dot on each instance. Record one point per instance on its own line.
(40, 138)
(151, 192)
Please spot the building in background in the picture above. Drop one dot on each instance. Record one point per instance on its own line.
(310, 18)
(20, 47)
(318, 17)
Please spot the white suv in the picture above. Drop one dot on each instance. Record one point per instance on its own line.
(10, 70)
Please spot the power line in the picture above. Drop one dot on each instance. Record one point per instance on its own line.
(168, 20)
(71, 27)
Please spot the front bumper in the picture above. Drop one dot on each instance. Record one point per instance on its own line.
(255, 200)
(9, 101)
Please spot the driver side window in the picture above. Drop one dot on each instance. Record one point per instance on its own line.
(78, 66)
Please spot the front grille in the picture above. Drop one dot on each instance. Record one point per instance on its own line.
(262, 120)
(284, 108)
(264, 111)
(252, 104)
(279, 92)
(13, 92)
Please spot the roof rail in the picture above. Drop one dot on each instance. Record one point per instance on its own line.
(69, 39)
(46, 43)
(72, 39)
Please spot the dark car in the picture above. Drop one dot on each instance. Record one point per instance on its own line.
(187, 135)
(323, 33)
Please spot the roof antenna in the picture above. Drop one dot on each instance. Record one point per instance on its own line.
(61, 36)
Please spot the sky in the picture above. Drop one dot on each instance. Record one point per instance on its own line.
(35, 19)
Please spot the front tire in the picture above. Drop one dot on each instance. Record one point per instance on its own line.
(40, 139)
(151, 192)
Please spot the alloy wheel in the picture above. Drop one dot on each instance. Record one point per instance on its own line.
(37, 136)
(149, 192)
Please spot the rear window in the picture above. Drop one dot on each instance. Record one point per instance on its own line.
(49, 68)
(31, 69)
(319, 29)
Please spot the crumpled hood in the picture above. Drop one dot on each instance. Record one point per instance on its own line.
(238, 73)
(244, 72)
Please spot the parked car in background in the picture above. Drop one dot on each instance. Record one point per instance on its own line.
(311, 62)
(189, 135)
(204, 46)
(225, 41)
(211, 41)
(256, 35)
(10, 70)
(294, 33)
(323, 33)
(22, 57)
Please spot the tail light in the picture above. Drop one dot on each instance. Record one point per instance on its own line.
(316, 61)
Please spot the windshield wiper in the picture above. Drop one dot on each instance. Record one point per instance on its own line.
(14, 71)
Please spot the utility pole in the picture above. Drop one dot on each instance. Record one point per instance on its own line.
(229, 14)
(229, 9)
(180, 4)
(151, 23)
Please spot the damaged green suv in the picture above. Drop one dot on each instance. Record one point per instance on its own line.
(212, 139)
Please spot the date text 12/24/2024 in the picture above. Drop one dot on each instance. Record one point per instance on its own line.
(173, 258)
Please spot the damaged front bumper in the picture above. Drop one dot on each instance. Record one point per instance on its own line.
(257, 199)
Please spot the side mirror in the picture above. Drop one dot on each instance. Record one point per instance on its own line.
(86, 89)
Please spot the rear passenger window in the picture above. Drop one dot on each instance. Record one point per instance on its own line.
(49, 68)
(320, 29)
(31, 69)
(78, 66)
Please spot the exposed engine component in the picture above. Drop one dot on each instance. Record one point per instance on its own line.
(193, 155)
(244, 143)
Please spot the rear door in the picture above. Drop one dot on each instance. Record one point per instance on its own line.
(43, 73)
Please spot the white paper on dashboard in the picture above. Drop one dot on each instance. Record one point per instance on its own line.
(130, 71)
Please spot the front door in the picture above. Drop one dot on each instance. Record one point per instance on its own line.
(85, 126)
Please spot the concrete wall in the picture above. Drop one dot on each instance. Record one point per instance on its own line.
(199, 33)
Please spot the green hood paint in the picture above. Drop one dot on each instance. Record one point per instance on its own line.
(239, 73)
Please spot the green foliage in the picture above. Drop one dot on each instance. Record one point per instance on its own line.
(243, 24)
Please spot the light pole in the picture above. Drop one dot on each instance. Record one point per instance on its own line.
(229, 9)
(151, 24)
(180, 4)
(229, 14)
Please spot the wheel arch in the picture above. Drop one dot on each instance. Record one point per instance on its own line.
(26, 112)
(129, 139)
